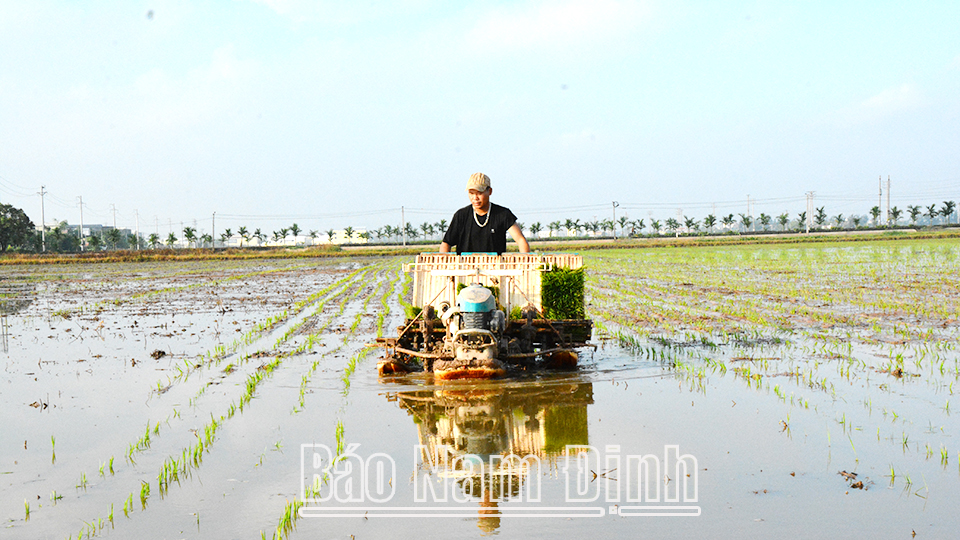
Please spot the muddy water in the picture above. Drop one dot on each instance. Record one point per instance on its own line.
(80, 386)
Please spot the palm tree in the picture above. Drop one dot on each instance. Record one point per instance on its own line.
(746, 221)
(442, 226)
(607, 225)
(673, 225)
(113, 236)
(330, 233)
(856, 221)
(895, 214)
(655, 225)
(348, 232)
(783, 219)
(636, 227)
(190, 235)
(947, 210)
(426, 228)
(709, 222)
(94, 242)
(206, 238)
(258, 234)
(411, 231)
(313, 236)
(225, 235)
(838, 219)
(171, 240)
(623, 221)
(295, 230)
(765, 221)
(592, 226)
(801, 219)
(821, 217)
(535, 228)
(915, 212)
(875, 212)
(154, 240)
(727, 221)
(244, 235)
(692, 224)
(554, 226)
(932, 212)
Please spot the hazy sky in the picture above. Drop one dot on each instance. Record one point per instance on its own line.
(332, 114)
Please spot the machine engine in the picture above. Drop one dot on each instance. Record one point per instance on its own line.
(481, 325)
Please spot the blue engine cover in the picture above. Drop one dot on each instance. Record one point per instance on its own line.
(476, 299)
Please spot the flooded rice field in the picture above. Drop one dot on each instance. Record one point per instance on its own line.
(799, 390)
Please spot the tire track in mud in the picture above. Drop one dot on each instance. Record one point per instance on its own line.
(349, 293)
(290, 513)
(180, 465)
(139, 296)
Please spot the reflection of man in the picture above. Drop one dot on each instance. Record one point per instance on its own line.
(481, 226)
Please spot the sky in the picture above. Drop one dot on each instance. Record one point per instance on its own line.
(334, 114)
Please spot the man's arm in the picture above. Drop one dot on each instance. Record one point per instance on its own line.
(444, 247)
(518, 237)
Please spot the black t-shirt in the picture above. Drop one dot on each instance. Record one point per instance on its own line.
(470, 237)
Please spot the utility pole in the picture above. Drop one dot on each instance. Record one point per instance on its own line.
(80, 232)
(809, 209)
(748, 207)
(615, 205)
(213, 230)
(679, 221)
(43, 221)
(880, 197)
(888, 200)
(113, 209)
(137, 213)
(403, 225)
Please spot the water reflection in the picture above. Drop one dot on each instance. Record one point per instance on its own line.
(15, 295)
(483, 435)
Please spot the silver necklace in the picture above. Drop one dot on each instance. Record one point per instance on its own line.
(477, 220)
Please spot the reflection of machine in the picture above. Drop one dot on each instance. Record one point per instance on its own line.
(498, 420)
(476, 316)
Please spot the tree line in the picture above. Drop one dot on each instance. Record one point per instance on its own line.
(18, 233)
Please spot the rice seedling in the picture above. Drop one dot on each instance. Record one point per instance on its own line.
(144, 494)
